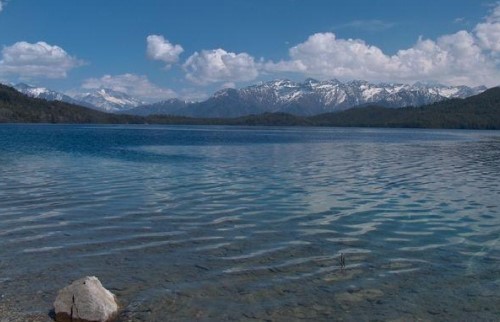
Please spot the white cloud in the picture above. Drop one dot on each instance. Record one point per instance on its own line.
(228, 85)
(488, 32)
(159, 48)
(451, 59)
(323, 55)
(469, 58)
(218, 65)
(135, 85)
(489, 36)
(38, 60)
(1, 6)
(454, 59)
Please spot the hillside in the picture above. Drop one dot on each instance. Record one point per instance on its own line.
(19, 108)
(476, 112)
(308, 98)
(481, 111)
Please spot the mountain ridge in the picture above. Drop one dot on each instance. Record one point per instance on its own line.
(101, 99)
(480, 111)
(109, 100)
(48, 94)
(308, 98)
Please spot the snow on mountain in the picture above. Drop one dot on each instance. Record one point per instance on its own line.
(44, 93)
(310, 97)
(314, 97)
(103, 99)
(108, 100)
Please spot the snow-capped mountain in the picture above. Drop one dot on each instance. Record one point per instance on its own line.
(108, 100)
(46, 94)
(103, 99)
(309, 98)
(314, 97)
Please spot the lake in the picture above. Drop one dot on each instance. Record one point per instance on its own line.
(247, 223)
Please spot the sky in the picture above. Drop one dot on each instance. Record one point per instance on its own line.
(160, 49)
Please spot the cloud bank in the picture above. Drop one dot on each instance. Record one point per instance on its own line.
(38, 60)
(136, 85)
(463, 58)
(488, 32)
(455, 59)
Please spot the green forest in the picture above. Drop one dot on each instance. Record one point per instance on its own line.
(477, 112)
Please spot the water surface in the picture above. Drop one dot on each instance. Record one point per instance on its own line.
(232, 223)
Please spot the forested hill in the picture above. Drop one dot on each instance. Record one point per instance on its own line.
(19, 108)
(481, 111)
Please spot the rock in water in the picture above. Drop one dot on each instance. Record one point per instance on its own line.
(85, 300)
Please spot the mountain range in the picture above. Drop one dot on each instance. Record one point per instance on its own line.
(480, 111)
(311, 97)
(47, 94)
(307, 98)
(109, 100)
(102, 99)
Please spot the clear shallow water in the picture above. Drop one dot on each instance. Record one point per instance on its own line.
(226, 223)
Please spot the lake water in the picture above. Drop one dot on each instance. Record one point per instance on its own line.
(231, 223)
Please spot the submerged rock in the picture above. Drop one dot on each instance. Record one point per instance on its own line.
(85, 300)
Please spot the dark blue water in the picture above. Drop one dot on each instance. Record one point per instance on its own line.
(229, 223)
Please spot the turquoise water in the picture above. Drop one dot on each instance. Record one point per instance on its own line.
(229, 223)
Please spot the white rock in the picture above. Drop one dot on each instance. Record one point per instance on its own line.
(85, 300)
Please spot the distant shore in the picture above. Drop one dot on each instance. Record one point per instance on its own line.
(481, 112)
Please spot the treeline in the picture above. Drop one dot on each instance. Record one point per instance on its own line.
(16, 107)
(477, 112)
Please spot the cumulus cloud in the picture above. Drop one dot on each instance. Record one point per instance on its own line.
(453, 59)
(40, 59)
(323, 55)
(218, 65)
(159, 48)
(461, 58)
(135, 85)
(488, 32)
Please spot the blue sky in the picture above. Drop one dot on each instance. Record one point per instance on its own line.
(187, 48)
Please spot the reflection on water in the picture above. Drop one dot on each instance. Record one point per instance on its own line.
(238, 224)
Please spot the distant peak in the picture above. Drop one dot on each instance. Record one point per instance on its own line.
(280, 82)
(107, 90)
(311, 81)
(225, 92)
(335, 81)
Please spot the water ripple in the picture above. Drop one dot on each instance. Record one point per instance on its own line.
(232, 220)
